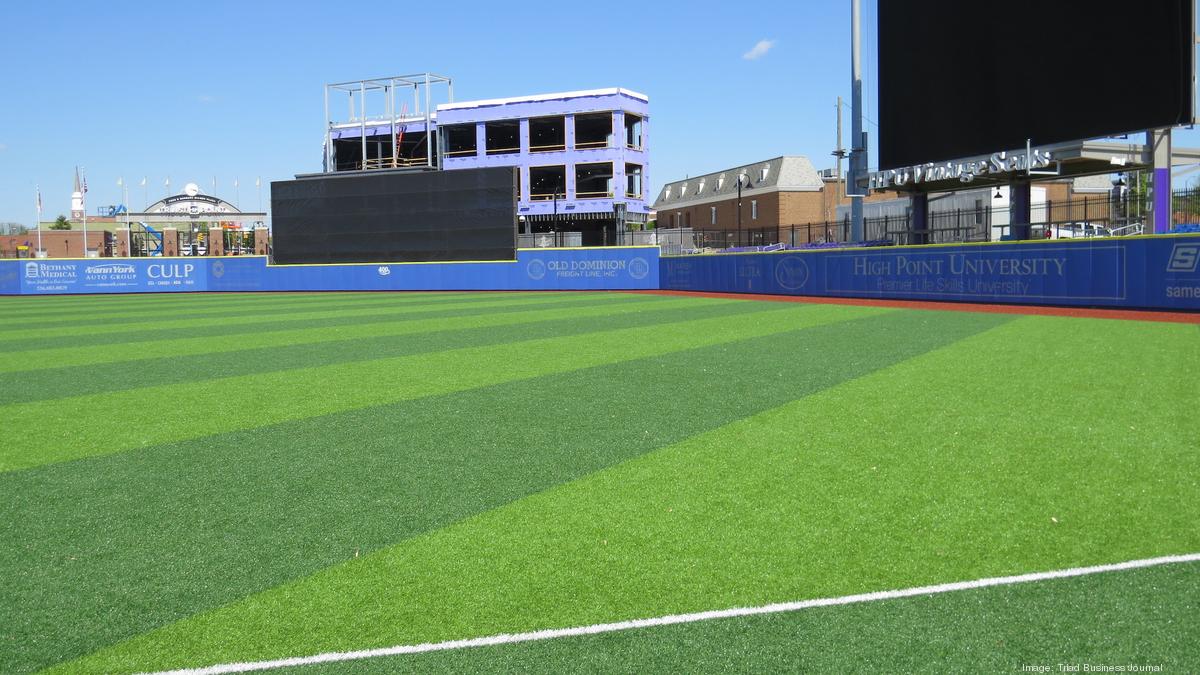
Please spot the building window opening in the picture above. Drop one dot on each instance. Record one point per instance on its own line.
(547, 134)
(460, 140)
(503, 137)
(593, 130)
(753, 209)
(594, 181)
(712, 215)
(633, 181)
(633, 131)
(412, 148)
(547, 181)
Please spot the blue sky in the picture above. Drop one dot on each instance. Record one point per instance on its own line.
(234, 89)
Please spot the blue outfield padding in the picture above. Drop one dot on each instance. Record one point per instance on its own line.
(1152, 272)
(620, 268)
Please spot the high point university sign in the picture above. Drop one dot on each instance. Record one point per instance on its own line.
(964, 170)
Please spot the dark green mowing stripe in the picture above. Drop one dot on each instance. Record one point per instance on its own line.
(98, 550)
(1144, 617)
(272, 324)
(51, 383)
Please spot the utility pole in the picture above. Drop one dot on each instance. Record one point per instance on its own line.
(858, 150)
(840, 153)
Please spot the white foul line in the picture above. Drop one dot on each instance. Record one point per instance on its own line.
(511, 638)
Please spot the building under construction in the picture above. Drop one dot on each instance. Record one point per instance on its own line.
(581, 157)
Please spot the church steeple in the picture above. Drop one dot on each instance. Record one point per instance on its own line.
(77, 198)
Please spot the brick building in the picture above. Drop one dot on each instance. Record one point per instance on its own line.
(776, 193)
(57, 243)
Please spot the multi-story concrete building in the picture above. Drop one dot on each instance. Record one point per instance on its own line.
(582, 157)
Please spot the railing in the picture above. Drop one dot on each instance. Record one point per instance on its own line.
(461, 153)
(503, 151)
(590, 145)
(544, 196)
(558, 147)
(594, 195)
(392, 162)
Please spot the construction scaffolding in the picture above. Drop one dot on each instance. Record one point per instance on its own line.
(395, 115)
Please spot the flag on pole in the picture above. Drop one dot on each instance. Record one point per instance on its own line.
(235, 182)
(39, 201)
(143, 184)
(258, 182)
(120, 181)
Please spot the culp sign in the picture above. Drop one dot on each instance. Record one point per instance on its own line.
(170, 271)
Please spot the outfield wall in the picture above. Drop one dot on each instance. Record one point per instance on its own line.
(1152, 272)
(618, 268)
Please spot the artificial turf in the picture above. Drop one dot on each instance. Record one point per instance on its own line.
(1141, 618)
(400, 468)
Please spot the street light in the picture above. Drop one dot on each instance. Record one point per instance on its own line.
(741, 178)
(557, 187)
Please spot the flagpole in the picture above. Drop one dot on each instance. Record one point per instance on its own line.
(38, 222)
(83, 202)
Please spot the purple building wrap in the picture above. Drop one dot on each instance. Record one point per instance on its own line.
(610, 156)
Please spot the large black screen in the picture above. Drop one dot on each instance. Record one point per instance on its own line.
(468, 214)
(960, 78)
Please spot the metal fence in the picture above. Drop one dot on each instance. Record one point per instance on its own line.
(1098, 216)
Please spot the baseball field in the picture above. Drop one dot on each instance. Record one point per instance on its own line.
(592, 481)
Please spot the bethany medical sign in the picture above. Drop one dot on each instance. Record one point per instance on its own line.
(965, 171)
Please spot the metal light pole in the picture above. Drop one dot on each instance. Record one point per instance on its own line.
(858, 159)
(83, 202)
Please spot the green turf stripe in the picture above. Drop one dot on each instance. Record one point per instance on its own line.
(324, 311)
(48, 308)
(1141, 617)
(164, 329)
(62, 357)
(342, 345)
(989, 457)
(102, 315)
(207, 521)
(64, 429)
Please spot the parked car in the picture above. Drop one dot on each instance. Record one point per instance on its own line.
(1075, 231)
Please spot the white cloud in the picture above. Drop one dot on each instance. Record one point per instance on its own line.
(760, 50)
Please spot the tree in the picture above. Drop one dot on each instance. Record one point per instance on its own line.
(61, 223)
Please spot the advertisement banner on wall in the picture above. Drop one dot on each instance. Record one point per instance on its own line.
(1145, 272)
(113, 275)
(625, 268)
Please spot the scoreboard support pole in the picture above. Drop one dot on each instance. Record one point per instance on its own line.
(1160, 212)
(1020, 209)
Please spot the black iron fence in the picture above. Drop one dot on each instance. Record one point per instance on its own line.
(1089, 216)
